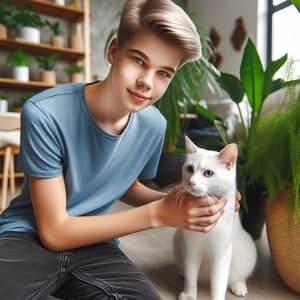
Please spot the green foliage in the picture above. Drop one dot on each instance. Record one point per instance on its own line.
(72, 69)
(273, 154)
(26, 17)
(19, 102)
(18, 58)
(54, 27)
(47, 62)
(6, 16)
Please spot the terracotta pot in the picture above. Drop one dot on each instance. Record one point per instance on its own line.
(76, 77)
(3, 31)
(57, 41)
(75, 42)
(284, 240)
(48, 76)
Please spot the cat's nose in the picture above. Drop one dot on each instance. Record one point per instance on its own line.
(192, 183)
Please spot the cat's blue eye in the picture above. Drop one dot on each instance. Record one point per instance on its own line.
(190, 169)
(208, 173)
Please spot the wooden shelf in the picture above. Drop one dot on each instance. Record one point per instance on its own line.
(36, 85)
(52, 9)
(43, 49)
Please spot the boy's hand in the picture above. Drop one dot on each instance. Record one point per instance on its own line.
(182, 210)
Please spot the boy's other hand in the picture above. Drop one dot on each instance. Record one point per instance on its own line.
(181, 210)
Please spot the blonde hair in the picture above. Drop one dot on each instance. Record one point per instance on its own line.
(164, 18)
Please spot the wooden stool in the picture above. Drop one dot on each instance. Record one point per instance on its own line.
(9, 143)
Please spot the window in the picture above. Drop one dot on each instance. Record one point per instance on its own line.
(283, 32)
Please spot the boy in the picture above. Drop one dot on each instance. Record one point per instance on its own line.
(85, 146)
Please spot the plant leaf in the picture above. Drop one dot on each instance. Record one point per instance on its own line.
(232, 85)
(252, 76)
(205, 113)
(273, 67)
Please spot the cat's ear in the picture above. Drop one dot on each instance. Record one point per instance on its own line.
(190, 147)
(229, 155)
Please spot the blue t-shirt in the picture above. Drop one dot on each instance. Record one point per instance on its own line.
(60, 136)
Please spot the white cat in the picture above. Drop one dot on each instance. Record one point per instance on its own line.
(226, 255)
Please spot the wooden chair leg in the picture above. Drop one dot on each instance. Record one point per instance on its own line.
(12, 184)
(6, 164)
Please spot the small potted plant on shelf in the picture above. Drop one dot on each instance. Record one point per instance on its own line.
(29, 24)
(75, 41)
(57, 39)
(6, 19)
(20, 62)
(19, 102)
(75, 73)
(47, 68)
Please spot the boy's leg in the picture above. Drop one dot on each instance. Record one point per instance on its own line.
(27, 270)
(104, 272)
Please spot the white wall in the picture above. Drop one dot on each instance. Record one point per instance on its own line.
(222, 14)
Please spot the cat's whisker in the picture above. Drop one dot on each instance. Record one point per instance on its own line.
(211, 202)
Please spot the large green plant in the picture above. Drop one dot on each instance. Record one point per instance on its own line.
(256, 84)
(185, 89)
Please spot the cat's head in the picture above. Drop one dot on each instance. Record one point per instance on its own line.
(209, 172)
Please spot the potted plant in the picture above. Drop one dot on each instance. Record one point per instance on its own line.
(29, 24)
(255, 85)
(20, 62)
(75, 73)
(57, 39)
(75, 41)
(3, 104)
(19, 102)
(47, 65)
(6, 19)
(274, 160)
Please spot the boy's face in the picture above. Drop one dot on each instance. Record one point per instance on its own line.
(142, 70)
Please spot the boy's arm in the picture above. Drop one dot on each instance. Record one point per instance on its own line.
(139, 194)
(60, 231)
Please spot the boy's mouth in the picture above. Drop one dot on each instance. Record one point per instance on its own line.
(138, 97)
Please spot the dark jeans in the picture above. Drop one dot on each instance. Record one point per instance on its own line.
(100, 271)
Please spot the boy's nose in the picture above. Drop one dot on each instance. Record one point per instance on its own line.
(144, 82)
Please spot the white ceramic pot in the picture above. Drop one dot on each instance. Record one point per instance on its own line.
(3, 105)
(30, 34)
(21, 73)
(60, 2)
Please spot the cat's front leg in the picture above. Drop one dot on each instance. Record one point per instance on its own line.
(220, 266)
(191, 268)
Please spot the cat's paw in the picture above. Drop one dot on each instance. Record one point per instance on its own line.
(183, 296)
(239, 288)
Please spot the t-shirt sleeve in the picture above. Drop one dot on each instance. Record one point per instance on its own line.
(40, 153)
(150, 169)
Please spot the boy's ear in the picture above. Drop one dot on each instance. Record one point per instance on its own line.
(190, 147)
(228, 155)
(112, 50)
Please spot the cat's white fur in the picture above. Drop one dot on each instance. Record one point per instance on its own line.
(226, 255)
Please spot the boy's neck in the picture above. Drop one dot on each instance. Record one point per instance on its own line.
(104, 108)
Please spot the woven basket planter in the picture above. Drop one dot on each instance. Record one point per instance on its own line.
(284, 240)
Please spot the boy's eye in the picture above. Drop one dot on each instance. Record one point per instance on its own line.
(138, 60)
(208, 173)
(163, 74)
(190, 169)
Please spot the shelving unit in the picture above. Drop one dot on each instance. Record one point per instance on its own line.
(78, 16)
